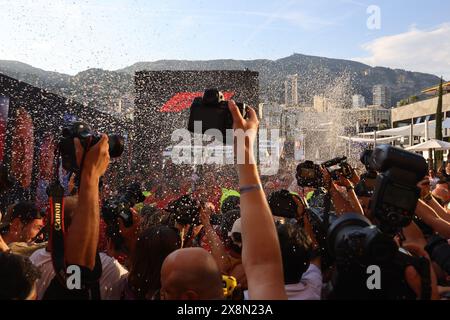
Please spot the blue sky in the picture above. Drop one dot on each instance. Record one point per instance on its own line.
(71, 36)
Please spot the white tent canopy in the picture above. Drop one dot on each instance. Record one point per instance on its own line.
(433, 144)
(419, 130)
(371, 140)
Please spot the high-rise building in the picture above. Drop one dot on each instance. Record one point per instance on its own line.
(359, 101)
(371, 118)
(381, 96)
(291, 85)
(322, 104)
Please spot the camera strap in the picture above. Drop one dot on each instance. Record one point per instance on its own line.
(57, 231)
(56, 199)
(326, 212)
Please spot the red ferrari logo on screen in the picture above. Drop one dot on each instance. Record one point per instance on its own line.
(183, 100)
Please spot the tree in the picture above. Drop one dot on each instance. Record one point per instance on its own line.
(439, 155)
(413, 99)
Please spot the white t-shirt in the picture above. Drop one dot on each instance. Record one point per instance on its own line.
(309, 288)
(110, 284)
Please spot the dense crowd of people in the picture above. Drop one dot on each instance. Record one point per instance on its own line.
(234, 236)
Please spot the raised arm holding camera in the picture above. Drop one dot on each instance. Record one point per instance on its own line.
(82, 240)
(261, 254)
(79, 247)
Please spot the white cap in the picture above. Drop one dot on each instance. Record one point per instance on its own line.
(237, 228)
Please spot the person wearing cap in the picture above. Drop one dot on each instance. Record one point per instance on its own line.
(22, 223)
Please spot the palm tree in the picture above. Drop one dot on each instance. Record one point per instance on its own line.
(439, 155)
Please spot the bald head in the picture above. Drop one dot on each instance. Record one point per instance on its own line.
(191, 274)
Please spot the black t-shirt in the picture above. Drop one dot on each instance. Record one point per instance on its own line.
(445, 176)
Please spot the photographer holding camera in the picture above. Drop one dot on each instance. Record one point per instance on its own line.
(299, 248)
(350, 243)
(81, 239)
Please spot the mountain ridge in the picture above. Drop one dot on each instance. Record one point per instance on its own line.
(335, 78)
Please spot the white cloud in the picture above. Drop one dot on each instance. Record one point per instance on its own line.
(417, 50)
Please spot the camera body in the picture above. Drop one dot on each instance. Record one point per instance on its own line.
(282, 204)
(309, 175)
(87, 138)
(353, 239)
(365, 158)
(396, 193)
(320, 224)
(344, 168)
(366, 185)
(213, 113)
(120, 208)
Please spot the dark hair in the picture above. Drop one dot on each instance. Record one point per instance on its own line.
(17, 275)
(230, 203)
(152, 247)
(185, 210)
(282, 204)
(296, 251)
(25, 211)
(152, 216)
(442, 182)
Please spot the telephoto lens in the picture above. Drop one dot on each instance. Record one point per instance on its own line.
(352, 240)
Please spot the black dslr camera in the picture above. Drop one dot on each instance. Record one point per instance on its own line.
(309, 175)
(120, 208)
(344, 168)
(282, 204)
(366, 185)
(88, 139)
(213, 113)
(354, 244)
(349, 239)
(365, 157)
(396, 193)
(352, 238)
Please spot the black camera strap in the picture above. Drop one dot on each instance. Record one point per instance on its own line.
(57, 231)
(56, 199)
(326, 212)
